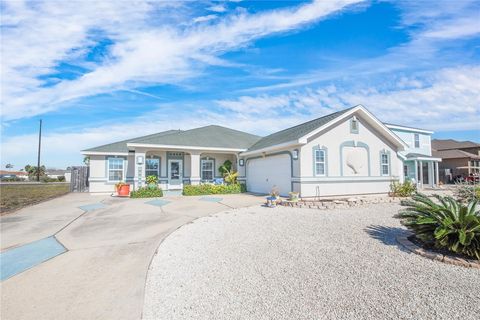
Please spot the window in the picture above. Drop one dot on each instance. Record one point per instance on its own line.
(405, 171)
(354, 125)
(207, 169)
(115, 169)
(152, 167)
(319, 158)
(385, 164)
(417, 140)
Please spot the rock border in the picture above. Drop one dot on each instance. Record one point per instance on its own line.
(409, 245)
(338, 203)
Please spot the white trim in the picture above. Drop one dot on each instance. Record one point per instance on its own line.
(102, 153)
(343, 179)
(425, 159)
(202, 161)
(394, 126)
(175, 147)
(284, 145)
(362, 109)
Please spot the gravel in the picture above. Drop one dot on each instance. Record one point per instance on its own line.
(291, 263)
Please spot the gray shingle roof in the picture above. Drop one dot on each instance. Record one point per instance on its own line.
(454, 154)
(438, 144)
(208, 137)
(295, 132)
(121, 146)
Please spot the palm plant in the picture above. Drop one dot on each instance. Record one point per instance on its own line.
(444, 223)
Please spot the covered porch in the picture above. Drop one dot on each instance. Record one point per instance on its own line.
(175, 168)
(422, 170)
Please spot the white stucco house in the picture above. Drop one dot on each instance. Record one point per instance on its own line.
(344, 153)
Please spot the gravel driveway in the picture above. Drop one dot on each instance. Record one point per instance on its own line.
(289, 263)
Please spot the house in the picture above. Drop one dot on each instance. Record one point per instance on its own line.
(346, 152)
(55, 173)
(5, 174)
(460, 158)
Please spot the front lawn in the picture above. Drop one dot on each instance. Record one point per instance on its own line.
(16, 196)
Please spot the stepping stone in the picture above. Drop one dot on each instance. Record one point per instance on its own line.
(17, 260)
(211, 199)
(91, 207)
(158, 202)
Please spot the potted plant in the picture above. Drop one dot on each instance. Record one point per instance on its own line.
(293, 196)
(152, 182)
(274, 197)
(123, 189)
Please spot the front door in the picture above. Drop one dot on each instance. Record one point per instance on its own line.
(175, 174)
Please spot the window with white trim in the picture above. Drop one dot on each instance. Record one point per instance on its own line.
(115, 169)
(207, 169)
(152, 167)
(319, 157)
(385, 164)
(417, 140)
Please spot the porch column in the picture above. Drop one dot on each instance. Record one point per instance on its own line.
(437, 175)
(139, 177)
(195, 168)
(417, 180)
(421, 174)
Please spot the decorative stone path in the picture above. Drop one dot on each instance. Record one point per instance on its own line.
(211, 199)
(91, 207)
(158, 202)
(19, 259)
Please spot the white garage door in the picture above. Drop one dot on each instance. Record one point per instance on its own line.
(264, 173)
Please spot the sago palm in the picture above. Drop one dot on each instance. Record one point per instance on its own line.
(444, 223)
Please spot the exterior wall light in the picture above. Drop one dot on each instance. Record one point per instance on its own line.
(241, 162)
(295, 154)
(139, 159)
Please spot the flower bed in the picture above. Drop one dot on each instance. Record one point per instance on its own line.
(206, 189)
(339, 203)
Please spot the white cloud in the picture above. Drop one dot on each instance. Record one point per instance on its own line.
(205, 18)
(40, 36)
(218, 8)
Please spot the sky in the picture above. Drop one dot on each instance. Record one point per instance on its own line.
(97, 72)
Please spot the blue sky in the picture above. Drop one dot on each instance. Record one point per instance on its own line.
(97, 72)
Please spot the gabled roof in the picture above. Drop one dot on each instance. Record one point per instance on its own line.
(203, 137)
(406, 128)
(121, 146)
(454, 154)
(448, 144)
(296, 132)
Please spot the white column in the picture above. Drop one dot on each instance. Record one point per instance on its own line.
(195, 168)
(437, 175)
(421, 174)
(139, 177)
(417, 180)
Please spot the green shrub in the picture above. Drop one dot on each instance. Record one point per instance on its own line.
(205, 189)
(47, 179)
(61, 178)
(465, 192)
(405, 189)
(151, 180)
(146, 192)
(445, 223)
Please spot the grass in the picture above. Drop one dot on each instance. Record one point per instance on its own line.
(14, 197)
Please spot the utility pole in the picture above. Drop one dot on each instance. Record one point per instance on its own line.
(39, 146)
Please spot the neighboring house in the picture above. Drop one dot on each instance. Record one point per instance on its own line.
(55, 173)
(13, 174)
(419, 164)
(460, 158)
(347, 152)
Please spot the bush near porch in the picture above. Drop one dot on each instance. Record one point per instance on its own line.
(147, 192)
(206, 189)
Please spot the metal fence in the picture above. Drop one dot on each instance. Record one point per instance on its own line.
(79, 179)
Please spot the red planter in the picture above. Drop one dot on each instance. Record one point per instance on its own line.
(124, 190)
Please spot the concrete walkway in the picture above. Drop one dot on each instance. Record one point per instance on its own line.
(109, 243)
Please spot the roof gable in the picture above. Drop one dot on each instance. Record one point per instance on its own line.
(296, 132)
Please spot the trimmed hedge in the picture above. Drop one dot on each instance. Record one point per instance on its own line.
(206, 189)
(146, 192)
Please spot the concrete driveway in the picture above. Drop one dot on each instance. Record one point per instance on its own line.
(104, 247)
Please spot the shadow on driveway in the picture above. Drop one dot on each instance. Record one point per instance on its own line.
(388, 235)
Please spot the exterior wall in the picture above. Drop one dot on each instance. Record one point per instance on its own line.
(337, 179)
(98, 180)
(409, 138)
(220, 158)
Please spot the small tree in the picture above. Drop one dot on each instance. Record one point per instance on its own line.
(86, 160)
(33, 170)
(225, 168)
(9, 166)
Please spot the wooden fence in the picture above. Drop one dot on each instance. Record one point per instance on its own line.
(79, 179)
